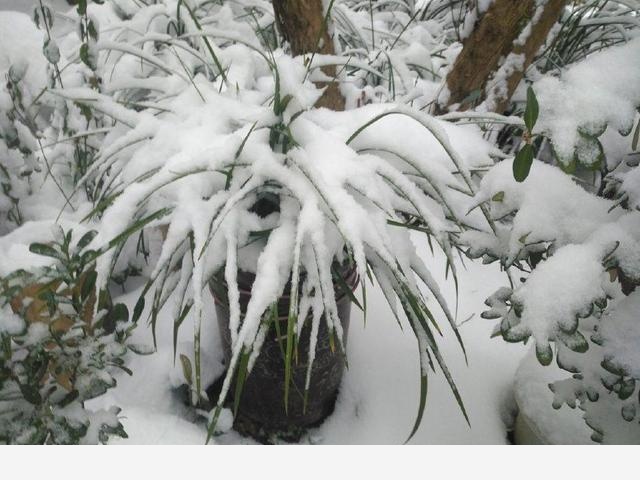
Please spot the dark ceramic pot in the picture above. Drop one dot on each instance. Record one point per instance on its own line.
(261, 412)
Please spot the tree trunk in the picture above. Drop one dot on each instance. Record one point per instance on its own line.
(495, 39)
(301, 23)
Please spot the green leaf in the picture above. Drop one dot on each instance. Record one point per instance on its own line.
(593, 129)
(92, 31)
(89, 256)
(626, 389)
(626, 130)
(44, 250)
(531, 110)
(589, 152)
(498, 197)
(567, 164)
(522, 163)
(120, 313)
(88, 284)
(237, 155)
(282, 104)
(31, 394)
(84, 54)
(35, 16)
(412, 308)
(423, 401)
(51, 51)
(137, 310)
(636, 137)
(628, 412)
(564, 365)
(86, 239)
(87, 56)
(575, 341)
(187, 370)
(514, 335)
(141, 349)
(176, 327)
(544, 353)
(240, 379)
(344, 288)
(68, 398)
(292, 319)
(82, 7)
(610, 367)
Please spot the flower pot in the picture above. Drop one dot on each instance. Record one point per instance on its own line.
(261, 413)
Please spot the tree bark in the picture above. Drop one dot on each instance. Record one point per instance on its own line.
(491, 41)
(301, 23)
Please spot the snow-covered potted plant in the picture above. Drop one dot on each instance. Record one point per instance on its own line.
(256, 190)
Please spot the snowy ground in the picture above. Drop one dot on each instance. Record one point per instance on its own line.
(378, 399)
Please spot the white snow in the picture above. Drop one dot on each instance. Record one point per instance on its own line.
(378, 398)
(588, 93)
(191, 127)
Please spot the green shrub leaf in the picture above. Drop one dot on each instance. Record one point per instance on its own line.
(544, 353)
(522, 163)
(44, 250)
(532, 109)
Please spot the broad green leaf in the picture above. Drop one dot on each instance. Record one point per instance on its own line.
(86, 56)
(626, 389)
(589, 151)
(531, 110)
(120, 313)
(544, 353)
(610, 367)
(522, 163)
(31, 394)
(514, 335)
(575, 341)
(88, 284)
(82, 6)
(593, 129)
(628, 412)
(44, 250)
(86, 239)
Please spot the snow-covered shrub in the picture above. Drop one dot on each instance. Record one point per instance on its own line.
(59, 346)
(46, 142)
(571, 249)
(17, 145)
